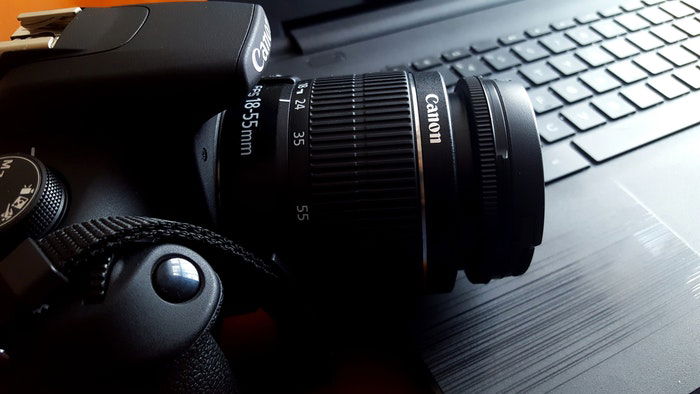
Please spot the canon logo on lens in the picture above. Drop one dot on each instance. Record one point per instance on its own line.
(433, 117)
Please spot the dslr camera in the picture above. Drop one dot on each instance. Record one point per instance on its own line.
(149, 166)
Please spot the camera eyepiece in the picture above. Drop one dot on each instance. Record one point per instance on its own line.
(386, 171)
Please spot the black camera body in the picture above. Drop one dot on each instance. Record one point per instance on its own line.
(365, 187)
(110, 115)
(115, 105)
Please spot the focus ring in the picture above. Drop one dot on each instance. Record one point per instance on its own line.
(484, 141)
(485, 162)
(361, 150)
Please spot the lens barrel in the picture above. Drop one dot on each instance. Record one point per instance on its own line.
(386, 171)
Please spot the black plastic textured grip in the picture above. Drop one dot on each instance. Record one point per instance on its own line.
(203, 368)
(362, 151)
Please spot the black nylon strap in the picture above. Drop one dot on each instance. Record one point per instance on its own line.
(70, 247)
(80, 248)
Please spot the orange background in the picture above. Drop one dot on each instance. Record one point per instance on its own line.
(9, 9)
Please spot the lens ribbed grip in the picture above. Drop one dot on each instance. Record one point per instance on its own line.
(362, 155)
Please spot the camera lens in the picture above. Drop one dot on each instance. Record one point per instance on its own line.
(387, 174)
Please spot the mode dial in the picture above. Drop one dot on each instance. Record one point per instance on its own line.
(32, 198)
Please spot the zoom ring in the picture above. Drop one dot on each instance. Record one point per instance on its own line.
(362, 152)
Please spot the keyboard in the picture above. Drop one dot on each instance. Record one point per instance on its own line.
(601, 84)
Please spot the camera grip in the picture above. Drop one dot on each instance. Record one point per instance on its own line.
(139, 336)
(140, 311)
(203, 368)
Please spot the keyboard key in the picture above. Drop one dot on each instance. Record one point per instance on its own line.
(448, 75)
(640, 129)
(587, 18)
(653, 63)
(511, 39)
(632, 22)
(645, 40)
(426, 63)
(561, 160)
(693, 3)
(621, 48)
(537, 31)
(668, 86)
(627, 72)
(677, 9)
(600, 81)
(512, 76)
(595, 56)
(693, 46)
(484, 46)
(632, 5)
(471, 67)
(567, 64)
(543, 101)
(539, 73)
(501, 60)
(557, 43)
(690, 75)
(571, 90)
(677, 55)
(608, 28)
(655, 15)
(583, 35)
(583, 117)
(553, 129)
(668, 33)
(530, 51)
(613, 106)
(608, 12)
(563, 24)
(456, 54)
(690, 26)
(641, 96)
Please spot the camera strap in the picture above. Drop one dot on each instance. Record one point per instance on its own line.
(82, 254)
(71, 247)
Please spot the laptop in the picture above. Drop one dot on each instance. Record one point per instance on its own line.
(611, 302)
